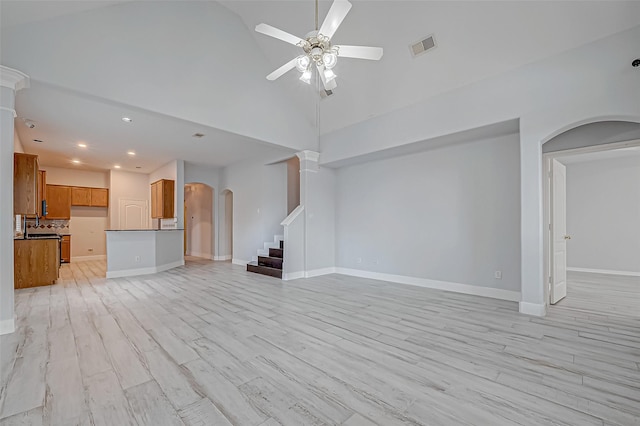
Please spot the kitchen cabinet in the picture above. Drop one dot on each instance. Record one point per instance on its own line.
(36, 262)
(89, 197)
(80, 196)
(162, 202)
(99, 197)
(58, 202)
(42, 190)
(65, 249)
(25, 184)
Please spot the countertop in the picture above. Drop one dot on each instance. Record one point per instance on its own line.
(142, 230)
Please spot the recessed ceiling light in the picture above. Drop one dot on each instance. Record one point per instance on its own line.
(117, 166)
(132, 153)
(127, 119)
(37, 140)
(75, 161)
(82, 145)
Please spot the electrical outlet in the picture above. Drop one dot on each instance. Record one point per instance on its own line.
(137, 258)
(497, 275)
(90, 250)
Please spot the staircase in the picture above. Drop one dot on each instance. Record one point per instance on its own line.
(269, 261)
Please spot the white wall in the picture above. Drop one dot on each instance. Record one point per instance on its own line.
(450, 214)
(259, 204)
(319, 201)
(603, 214)
(225, 226)
(7, 98)
(548, 97)
(87, 224)
(126, 186)
(17, 143)
(198, 200)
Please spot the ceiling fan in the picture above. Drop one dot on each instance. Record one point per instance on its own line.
(318, 49)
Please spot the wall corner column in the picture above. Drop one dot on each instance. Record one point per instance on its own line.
(10, 82)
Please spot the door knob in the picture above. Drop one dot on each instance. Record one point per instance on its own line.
(567, 237)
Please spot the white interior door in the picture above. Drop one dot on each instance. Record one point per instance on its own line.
(133, 214)
(559, 235)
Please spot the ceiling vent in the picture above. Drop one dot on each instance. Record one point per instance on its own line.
(325, 93)
(422, 46)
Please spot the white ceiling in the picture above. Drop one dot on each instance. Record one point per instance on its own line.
(185, 67)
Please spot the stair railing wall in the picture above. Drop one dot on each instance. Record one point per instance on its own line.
(293, 261)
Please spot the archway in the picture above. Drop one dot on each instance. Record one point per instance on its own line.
(597, 143)
(226, 225)
(198, 220)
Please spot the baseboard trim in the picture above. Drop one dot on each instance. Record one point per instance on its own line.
(293, 276)
(605, 271)
(535, 309)
(202, 255)
(227, 257)
(318, 272)
(87, 258)
(7, 326)
(144, 271)
(239, 262)
(494, 293)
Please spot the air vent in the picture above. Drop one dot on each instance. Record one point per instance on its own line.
(422, 46)
(325, 93)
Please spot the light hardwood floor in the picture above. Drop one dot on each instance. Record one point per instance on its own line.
(210, 344)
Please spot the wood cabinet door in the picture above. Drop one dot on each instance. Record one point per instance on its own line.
(58, 202)
(65, 246)
(167, 199)
(80, 196)
(25, 184)
(42, 189)
(99, 197)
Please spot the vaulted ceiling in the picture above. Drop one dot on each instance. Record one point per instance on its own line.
(184, 67)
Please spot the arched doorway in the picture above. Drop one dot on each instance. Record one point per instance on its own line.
(226, 225)
(198, 220)
(584, 155)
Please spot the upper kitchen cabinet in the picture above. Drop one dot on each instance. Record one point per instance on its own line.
(42, 189)
(89, 197)
(25, 184)
(162, 203)
(58, 202)
(99, 197)
(80, 196)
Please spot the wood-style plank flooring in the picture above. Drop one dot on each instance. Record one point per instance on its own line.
(210, 344)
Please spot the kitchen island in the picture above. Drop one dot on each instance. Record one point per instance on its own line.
(143, 251)
(36, 261)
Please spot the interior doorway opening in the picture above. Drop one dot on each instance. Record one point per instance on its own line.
(571, 272)
(198, 220)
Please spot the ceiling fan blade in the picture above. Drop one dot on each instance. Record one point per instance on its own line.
(328, 85)
(279, 34)
(282, 70)
(360, 52)
(336, 15)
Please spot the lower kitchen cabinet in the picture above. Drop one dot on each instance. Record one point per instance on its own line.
(65, 247)
(36, 262)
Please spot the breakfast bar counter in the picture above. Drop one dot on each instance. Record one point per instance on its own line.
(143, 251)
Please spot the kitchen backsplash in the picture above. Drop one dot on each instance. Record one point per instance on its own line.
(48, 227)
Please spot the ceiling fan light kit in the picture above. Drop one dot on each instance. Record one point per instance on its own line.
(319, 52)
